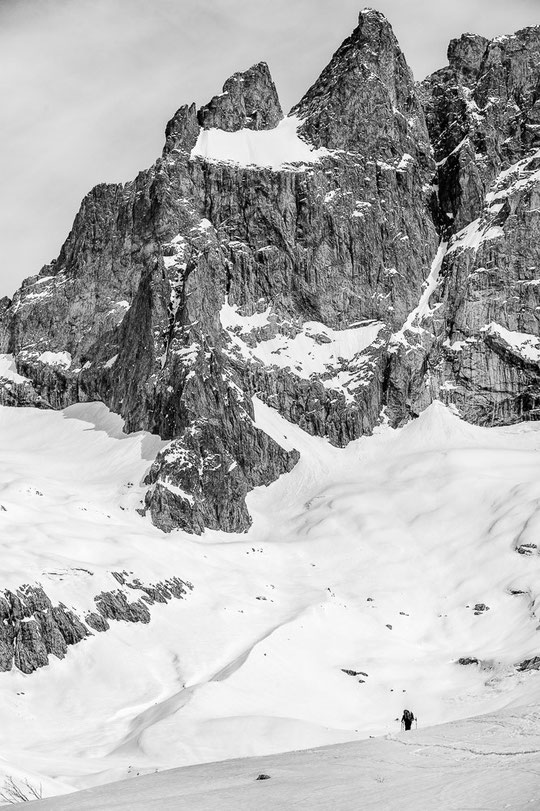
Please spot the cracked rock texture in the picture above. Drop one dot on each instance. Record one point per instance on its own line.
(249, 100)
(32, 628)
(317, 285)
(479, 347)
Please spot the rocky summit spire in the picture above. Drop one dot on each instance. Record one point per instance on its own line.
(181, 131)
(249, 100)
(483, 115)
(365, 99)
(465, 55)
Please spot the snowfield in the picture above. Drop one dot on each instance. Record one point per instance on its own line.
(478, 764)
(391, 559)
(278, 148)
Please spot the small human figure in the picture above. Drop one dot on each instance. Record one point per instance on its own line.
(407, 719)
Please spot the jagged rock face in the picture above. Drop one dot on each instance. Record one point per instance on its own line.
(249, 101)
(530, 664)
(483, 113)
(197, 483)
(179, 296)
(365, 100)
(313, 282)
(182, 131)
(491, 289)
(32, 628)
(479, 349)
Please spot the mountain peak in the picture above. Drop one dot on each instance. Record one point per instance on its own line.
(365, 99)
(249, 100)
(372, 12)
(182, 130)
(465, 54)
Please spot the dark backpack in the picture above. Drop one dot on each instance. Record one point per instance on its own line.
(408, 716)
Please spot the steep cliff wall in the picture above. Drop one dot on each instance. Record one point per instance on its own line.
(298, 258)
(479, 348)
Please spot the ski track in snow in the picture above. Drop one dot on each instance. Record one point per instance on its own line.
(369, 558)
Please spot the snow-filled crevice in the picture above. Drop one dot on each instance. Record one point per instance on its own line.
(413, 323)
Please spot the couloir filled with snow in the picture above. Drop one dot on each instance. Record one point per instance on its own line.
(370, 559)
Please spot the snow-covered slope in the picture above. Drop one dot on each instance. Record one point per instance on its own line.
(477, 764)
(391, 559)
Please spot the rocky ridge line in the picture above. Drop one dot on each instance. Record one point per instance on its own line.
(32, 628)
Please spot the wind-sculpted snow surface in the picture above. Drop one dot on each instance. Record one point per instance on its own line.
(402, 570)
(481, 764)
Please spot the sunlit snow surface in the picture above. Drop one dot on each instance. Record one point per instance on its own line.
(488, 763)
(409, 529)
(273, 149)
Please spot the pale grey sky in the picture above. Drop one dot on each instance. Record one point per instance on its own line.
(86, 86)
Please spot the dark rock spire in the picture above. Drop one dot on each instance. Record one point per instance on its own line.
(465, 55)
(249, 100)
(365, 99)
(182, 130)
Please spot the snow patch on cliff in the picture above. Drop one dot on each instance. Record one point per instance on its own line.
(473, 235)
(232, 320)
(522, 343)
(517, 177)
(314, 351)
(8, 370)
(414, 320)
(272, 149)
(60, 359)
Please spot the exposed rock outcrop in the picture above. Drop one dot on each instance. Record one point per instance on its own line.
(365, 100)
(483, 113)
(32, 628)
(249, 101)
(476, 346)
(530, 664)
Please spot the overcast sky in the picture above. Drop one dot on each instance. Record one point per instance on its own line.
(86, 86)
